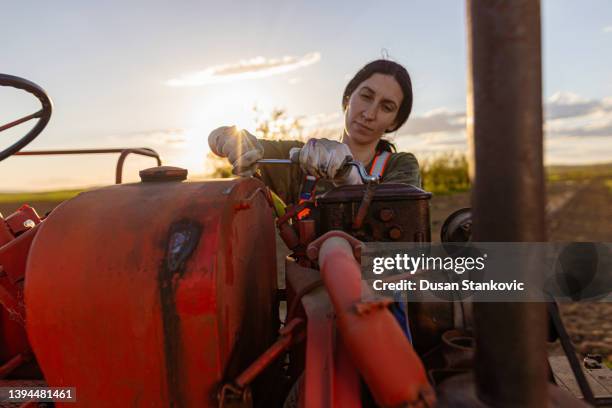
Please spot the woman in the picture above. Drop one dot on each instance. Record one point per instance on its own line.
(376, 101)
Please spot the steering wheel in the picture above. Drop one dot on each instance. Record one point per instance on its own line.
(43, 115)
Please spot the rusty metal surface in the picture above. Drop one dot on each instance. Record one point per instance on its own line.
(160, 283)
(394, 374)
(397, 212)
(318, 386)
(13, 337)
(162, 173)
(505, 134)
(288, 334)
(328, 376)
(314, 249)
(307, 231)
(22, 220)
(505, 120)
(299, 281)
(364, 206)
(6, 235)
(237, 393)
(13, 259)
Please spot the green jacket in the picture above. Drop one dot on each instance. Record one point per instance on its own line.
(286, 180)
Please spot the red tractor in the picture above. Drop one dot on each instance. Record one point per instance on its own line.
(166, 293)
(171, 289)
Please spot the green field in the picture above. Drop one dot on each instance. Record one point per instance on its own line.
(55, 196)
(449, 174)
(444, 175)
(561, 173)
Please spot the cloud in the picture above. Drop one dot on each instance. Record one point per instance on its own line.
(258, 67)
(577, 129)
(439, 120)
(596, 129)
(568, 114)
(567, 105)
(607, 29)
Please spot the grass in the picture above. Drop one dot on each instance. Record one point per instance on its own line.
(55, 196)
(576, 173)
(446, 174)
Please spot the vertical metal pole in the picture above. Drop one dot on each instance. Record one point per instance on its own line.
(505, 132)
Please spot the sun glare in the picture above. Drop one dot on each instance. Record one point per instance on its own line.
(225, 105)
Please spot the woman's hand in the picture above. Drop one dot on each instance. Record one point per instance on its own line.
(241, 148)
(325, 159)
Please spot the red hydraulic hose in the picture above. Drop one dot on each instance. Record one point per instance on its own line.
(375, 342)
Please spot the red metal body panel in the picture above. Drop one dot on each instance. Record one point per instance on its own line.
(374, 340)
(6, 235)
(156, 300)
(13, 343)
(13, 338)
(329, 376)
(22, 220)
(13, 255)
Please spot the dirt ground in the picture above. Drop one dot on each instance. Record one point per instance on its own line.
(586, 216)
(576, 211)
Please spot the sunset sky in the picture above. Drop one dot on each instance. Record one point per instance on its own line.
(163, 74)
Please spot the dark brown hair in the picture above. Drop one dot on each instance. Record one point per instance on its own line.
(385, 67)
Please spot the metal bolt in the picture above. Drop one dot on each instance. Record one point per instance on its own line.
(395, 233)
(386, 214)
(29, 223)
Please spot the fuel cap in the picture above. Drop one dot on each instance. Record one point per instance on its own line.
(163, 173)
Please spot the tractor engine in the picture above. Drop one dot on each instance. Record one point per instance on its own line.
(370, 213)
(397, 212)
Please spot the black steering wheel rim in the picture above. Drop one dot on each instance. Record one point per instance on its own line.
(43, 115)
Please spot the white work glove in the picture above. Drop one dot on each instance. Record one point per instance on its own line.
(325, 158)
(241, 148)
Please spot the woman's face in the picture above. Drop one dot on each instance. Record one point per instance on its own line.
(372, 108)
